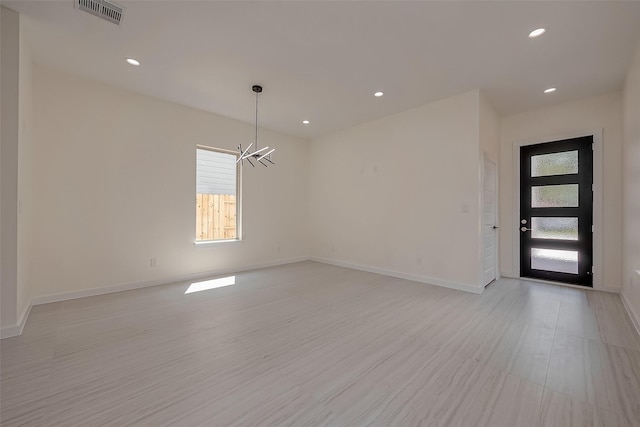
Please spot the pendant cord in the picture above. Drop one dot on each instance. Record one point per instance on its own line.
(256, 121)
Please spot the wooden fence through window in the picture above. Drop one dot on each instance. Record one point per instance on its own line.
(215, 217)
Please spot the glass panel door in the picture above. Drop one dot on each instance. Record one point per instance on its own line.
(554, 260)
(555, 196)
(554, 228)
(556, 208)
(562, 163)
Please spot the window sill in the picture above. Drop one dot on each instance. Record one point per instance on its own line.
(216, 242)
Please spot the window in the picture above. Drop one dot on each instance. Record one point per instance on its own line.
(217, 195)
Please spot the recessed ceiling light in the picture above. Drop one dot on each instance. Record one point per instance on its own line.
(133, 61)
(378, 94)
(551, 89)
(537, 33)
(305, 122)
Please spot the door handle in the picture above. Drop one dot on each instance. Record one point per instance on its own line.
(523, 229)
(495, 227)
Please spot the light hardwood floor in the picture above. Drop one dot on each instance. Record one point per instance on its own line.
(309, 344)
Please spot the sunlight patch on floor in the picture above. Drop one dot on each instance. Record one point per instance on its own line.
(211, 284)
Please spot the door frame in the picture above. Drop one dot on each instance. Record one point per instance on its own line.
(597, 199)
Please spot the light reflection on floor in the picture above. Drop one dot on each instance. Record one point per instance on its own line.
(211, 284)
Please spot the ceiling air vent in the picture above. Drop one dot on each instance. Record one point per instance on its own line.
(102, 9)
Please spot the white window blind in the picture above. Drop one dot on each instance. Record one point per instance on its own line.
(215, 172)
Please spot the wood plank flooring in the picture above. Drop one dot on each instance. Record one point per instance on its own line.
(310, 344)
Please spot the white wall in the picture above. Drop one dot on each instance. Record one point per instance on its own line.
(631, 187)
(489, 130)
(603, 112)
(389, 195)
(9, 137)
(114, 185)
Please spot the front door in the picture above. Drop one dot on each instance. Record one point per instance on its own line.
(556, 211)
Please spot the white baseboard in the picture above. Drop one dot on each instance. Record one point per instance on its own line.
(15, 330)
(64, 296)
(400, 275)
(635, 319)
(610, 289)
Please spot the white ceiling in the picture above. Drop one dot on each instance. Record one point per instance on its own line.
(322, 61)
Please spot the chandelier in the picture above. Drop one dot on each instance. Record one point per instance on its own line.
(258, 155)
